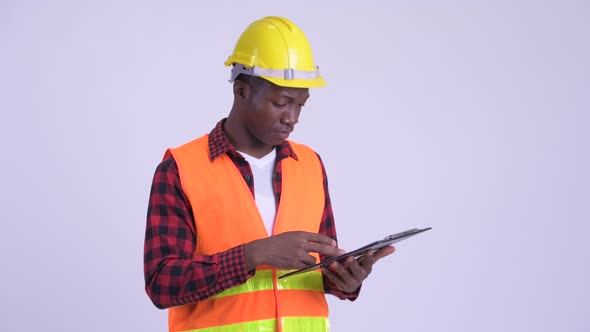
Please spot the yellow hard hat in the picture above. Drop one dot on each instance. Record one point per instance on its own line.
(277, 50)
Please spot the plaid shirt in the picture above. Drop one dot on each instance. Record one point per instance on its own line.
(173, 276)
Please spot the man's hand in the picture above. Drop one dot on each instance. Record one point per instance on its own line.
(289, 250)
(350, 276)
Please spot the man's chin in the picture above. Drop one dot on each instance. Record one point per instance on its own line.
(278, 139)
(278, 142)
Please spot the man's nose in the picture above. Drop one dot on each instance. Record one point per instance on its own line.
(291, 115)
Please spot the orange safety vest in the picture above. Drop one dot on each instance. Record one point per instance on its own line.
(226, 216)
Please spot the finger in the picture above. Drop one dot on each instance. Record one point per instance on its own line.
(383, 252)
(349, 281)
(320, 238)
(334, 278)
(323, 249)
(360, 272)
(368, 259)
(298, 265)
(307, 259)
(331, 275)
(347, 278)
(289, 264)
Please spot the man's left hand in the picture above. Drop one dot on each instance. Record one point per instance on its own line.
(350, 275)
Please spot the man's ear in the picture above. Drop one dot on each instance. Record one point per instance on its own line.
(241, 91)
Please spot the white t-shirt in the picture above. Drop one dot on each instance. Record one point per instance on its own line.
(262, 170)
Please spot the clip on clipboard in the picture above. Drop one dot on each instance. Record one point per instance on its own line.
(388, 240)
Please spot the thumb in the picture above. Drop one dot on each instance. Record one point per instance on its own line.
(383, 252)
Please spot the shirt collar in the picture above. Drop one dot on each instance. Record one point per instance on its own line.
(220, 144)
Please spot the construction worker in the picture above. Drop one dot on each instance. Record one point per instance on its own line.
(235, 209)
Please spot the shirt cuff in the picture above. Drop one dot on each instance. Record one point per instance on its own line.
(232, 266)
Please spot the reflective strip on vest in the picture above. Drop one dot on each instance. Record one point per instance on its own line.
(290, 324)
(262, 280)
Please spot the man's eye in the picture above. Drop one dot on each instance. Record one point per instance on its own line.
(278, 105)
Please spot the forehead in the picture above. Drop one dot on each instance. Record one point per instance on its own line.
(275, 91)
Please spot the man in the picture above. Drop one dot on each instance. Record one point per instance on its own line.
(215, 201)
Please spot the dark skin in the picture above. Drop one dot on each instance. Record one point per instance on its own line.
(260, 119)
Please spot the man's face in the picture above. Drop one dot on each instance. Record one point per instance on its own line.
(273, 111)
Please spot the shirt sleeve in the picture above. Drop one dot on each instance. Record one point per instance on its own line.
(328, 228)
(172, 275)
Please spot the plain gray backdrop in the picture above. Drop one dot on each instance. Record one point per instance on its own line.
(468, 116)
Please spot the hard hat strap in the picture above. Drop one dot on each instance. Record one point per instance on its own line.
(286, 74)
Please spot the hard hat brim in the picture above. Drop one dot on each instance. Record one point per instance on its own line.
(297, 83)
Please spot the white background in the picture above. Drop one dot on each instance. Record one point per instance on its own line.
(468, 116)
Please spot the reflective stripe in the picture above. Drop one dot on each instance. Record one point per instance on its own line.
(286, 74)
(290, 324)
(305, 324)
(262, 280)
(250, 307)
(311, 280)
(256, 326)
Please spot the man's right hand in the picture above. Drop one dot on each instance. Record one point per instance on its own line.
(289, 250)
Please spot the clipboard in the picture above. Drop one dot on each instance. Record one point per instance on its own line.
(388, 240)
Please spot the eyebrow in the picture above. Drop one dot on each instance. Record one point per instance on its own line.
(292, 98)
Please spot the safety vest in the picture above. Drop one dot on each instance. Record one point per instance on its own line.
(226, 216)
